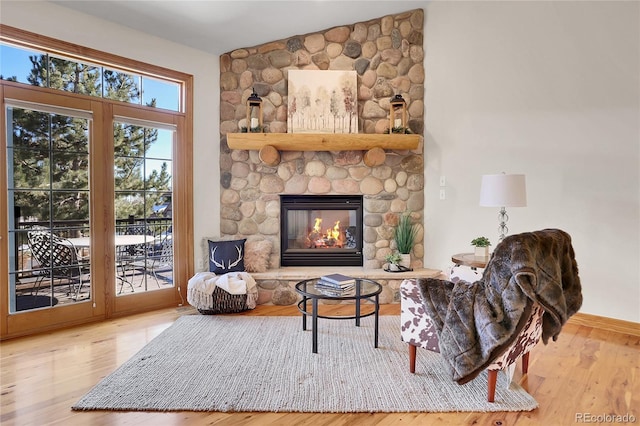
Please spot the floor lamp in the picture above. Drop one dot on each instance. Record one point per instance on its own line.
(503, 191)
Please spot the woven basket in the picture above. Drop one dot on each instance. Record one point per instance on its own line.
(225, 303)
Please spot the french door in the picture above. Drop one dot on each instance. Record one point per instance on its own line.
(143, 152)
(82, 176)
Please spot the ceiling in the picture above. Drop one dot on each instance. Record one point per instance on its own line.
(218, 27)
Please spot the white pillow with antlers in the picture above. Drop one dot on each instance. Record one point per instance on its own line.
(226, 256)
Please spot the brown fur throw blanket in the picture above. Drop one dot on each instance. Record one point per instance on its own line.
(477, 322)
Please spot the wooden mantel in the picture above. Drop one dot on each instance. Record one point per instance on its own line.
(270, 144)
(321, 141)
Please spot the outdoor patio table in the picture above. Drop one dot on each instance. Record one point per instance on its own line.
(120, 242)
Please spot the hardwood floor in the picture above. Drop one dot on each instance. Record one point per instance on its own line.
(587, 372)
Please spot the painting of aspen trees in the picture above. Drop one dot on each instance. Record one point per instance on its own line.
(322, 101)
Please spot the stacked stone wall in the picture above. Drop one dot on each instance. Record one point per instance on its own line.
(387, 55)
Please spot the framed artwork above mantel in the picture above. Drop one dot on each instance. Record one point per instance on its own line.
(322, 101)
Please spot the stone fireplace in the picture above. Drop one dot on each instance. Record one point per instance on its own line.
(251, 201)
(387, 55)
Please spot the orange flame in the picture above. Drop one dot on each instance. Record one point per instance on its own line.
(335, 232)
(332, 237)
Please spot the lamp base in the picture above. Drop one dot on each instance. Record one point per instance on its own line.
(502, 228)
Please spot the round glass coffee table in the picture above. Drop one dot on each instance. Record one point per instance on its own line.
(363, 289)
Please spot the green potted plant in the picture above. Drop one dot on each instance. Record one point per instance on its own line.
(256, 129)
(394, 260)
(400, 130)
(405, 236)
(481, 245)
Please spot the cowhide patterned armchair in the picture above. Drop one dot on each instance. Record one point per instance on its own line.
(418, 331)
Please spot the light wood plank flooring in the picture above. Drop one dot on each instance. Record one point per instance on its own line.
(588, 371)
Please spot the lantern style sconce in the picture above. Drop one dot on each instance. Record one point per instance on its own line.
(398, 115)
(254, 113)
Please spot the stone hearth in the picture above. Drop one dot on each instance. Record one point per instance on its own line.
(279, 281)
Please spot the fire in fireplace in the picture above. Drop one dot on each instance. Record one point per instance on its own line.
(321, 230)
(332, 237)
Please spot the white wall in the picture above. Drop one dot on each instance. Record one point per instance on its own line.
(65, 24)
(551, 90)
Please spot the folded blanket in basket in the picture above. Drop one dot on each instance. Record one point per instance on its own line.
(202, 285)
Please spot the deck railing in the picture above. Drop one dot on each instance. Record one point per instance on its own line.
(156, 227)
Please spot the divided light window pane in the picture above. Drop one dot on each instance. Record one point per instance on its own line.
(16, 64)
(76, 77)
(162, 145)
(158, 171)
(72, 134)
(160, 94)
(121, 86)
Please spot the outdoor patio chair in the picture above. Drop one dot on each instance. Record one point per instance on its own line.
(160, 260)
(128, 256)
(39, 242)
(58, 259)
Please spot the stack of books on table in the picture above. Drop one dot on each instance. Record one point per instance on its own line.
(335, 284)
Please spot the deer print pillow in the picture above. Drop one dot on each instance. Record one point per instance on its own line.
(226, 256)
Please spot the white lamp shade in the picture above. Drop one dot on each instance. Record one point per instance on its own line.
(503, 191)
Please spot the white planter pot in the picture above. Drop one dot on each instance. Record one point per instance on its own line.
(406, 260)
(482, 252)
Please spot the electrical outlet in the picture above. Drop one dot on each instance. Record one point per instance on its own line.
(443, 181)
(442, 194)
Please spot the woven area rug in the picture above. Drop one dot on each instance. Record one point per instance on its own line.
(242, 363)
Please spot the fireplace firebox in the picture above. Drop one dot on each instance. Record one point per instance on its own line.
(321, 230)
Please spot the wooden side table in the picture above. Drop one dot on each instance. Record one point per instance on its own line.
(470, 259)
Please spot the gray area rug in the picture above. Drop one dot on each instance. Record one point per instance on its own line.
(242, 363)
